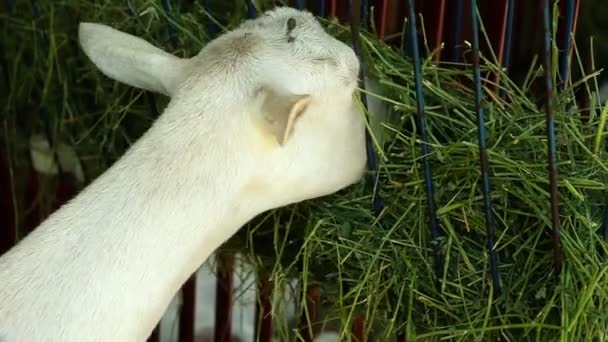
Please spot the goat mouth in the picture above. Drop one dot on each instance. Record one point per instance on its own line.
(351, 83)
(352, 80)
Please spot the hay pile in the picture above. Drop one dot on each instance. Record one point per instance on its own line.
(382, 267)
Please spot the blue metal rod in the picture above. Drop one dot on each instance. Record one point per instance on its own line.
(428, 174)
(407, 43)
(565, 53)
(299, 4)
(36, 8)
(550, 119)
(131, 8)
(166, 5)
(9, 7)
(170, 28)
(483, 152)
(211, 28)
(605, 223)
(251, 9)
(506, 56)
(323, 10)
(457, 32)
(365, 14)
(372, 163)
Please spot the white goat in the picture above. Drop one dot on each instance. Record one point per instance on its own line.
(262, 117)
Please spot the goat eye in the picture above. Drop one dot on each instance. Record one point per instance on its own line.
(291, 24)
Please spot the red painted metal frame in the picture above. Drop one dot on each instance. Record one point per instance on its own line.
(263, 314)
(313, 300)
(433, 15)
(223, 299)
(561, 23)
(577, 7)
(358, 329)
(494, 19)
(466, 33)
(333, 8)
(8, 230)
(187, 317)
(381, 17)
(388, 20)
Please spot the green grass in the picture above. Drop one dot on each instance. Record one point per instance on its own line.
(382, 267)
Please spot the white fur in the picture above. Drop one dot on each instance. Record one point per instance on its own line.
(105, 266)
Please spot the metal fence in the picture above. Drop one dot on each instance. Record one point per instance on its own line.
(450, 26)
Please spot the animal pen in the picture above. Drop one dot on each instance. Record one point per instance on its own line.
(484, 215)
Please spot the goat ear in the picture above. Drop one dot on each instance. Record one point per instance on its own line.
(279, 113)
(131, 60)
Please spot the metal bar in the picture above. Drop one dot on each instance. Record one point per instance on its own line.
(172, 36)
(333, 8)
(36, 8)
(4, 66)
(372, 163)
(483, 152)
(323, 9)
(133, 13)
(263, 316)
(364, 14)
(552, 167)
(383, 19)
(251, 11)
(564, 58)
(9, 7)
(187, 316)
(457, 32)
(299, 4)
(605, 223)
(428, 173)
(407, 43)
(313, 298)
(439, 32)
(497, 28)
(577, 4)
(506, 57)
(131, 8)
(358, 332)
(211, 28)
(7, 204)
(223, 299)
